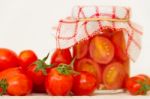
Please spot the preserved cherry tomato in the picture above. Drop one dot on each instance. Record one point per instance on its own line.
(90, 66)
(113, 76)
(80, 49)
(101, 50)
(120, 45)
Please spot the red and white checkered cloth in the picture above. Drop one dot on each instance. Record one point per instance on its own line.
(71, 30)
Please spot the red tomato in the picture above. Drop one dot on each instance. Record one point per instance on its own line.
(38, 78)
(80, 49)
(37, 72)
(58, 84)
(138, 85)
(61, 56)
(26, 58)
(18, 83)
(5, 74)
(144, 77)
(90, 66)
(10, 72)
(120, 45)
(8, 59)
(101, 50)
(114, 76)
(84, 84)
(1, 91)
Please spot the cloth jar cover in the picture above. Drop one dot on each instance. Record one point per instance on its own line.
(81, 26)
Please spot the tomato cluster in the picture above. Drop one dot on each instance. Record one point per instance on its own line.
(25, 73)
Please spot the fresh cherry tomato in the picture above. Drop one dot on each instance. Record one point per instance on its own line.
(5, 74)
(27, 57)
(101, 50)
(15, 82)
(19, 85)
(61, 56)
(114, 76)
(120, 45)
(10, 72)
(8, 59)
(38, 78)
(1, 90)
(84, 84)
(80, 49)
(59, 81)
(88, 65)
(138, 85)
(37, 72)
(144, 77)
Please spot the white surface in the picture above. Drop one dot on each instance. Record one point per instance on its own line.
(96, 96)
(27, 24)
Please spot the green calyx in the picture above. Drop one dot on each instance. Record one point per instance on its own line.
(41, 65)
(144, 87)
(66, 69)
(3, 86)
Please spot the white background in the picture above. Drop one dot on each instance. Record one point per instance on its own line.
(27, 24)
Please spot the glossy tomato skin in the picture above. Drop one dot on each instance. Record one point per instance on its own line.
(133, 86)
(80, 49)
(19, 85)
(114, 76)
(38, 78)
(10, 72)
(90, 66)
(58, 84)
(144, 77)
(84, 84)
(61, 56)
(101, 49)
(26, 58)
(8, 59)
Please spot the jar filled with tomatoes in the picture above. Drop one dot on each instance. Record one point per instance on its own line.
(103, 41)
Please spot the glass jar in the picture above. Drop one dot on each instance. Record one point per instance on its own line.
(103, 41)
